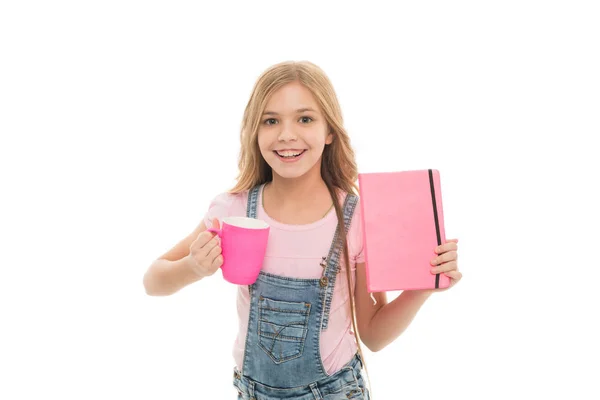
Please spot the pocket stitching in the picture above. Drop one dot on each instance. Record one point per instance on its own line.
(303, 325)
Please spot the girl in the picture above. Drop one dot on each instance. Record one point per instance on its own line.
(301, 323)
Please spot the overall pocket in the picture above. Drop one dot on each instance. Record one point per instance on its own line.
(282, 328)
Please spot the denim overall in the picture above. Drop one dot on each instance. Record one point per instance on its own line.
(282, 357)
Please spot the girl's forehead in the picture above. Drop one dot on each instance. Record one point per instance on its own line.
(278, 109)
(291, 93)
(291, 106)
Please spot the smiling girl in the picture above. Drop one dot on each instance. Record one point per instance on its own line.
(302, 322)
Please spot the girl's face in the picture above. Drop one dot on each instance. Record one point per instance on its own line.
(293, 132)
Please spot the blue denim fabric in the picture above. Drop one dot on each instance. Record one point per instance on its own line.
(347, 383)
(282, 357)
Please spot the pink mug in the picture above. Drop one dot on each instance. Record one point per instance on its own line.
(243, 244)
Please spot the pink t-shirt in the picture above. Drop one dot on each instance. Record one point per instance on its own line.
(296, 251)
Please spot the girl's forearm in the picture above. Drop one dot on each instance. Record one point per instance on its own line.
(165, 277)
(392, 319)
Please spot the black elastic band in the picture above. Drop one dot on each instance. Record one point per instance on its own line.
(437, 223)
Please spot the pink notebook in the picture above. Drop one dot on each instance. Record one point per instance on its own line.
(403, 223)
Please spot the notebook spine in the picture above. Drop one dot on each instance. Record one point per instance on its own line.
(435, 217)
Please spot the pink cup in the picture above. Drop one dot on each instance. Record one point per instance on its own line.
(244, 244)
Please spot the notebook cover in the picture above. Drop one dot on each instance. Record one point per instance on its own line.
(403, 222)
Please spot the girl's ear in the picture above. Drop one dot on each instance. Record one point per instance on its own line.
(329, 138)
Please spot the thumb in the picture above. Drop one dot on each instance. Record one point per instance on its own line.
(452, 240)
(215, 225)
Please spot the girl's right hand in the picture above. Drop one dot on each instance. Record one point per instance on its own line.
(205, 252)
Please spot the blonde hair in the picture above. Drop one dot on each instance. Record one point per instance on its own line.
(338, 165)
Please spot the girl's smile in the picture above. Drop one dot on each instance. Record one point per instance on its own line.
(289, 156)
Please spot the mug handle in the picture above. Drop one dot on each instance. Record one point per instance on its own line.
(219, 232)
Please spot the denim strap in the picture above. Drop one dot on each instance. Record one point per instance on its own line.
(252, 202)
(333, 259)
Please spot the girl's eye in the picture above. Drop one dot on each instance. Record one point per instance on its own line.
(268, 121)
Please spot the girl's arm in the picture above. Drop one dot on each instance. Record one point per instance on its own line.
(173, 270)
(380, 324)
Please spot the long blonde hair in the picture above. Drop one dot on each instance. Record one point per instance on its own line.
(338, 165)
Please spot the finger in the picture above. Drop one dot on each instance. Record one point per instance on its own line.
(204, 237)
(210, 245)
(214, 252)
(216, 223)
(446, 247)
(446, 257)
(454, 275)
(218, 261)
(446, 267)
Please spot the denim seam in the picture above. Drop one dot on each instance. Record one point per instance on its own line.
(286, 311)
(315, 391)
(360, 389)
(317, 333)
(251, 213)
(334, 261)
(244, 384)
(301, 341)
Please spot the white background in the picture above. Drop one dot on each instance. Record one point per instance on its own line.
(120, 122)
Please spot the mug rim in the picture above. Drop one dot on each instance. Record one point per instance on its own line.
(245, 222)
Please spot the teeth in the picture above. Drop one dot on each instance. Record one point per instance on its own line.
(289, 153)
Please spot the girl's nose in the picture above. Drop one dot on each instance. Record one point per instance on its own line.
(286, 135)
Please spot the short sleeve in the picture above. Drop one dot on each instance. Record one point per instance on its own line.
(220, 207)
(356, 237)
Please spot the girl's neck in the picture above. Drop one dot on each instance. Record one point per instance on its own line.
(297, 201)
(297, 191)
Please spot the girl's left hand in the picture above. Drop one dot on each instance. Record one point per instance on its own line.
(446, 262)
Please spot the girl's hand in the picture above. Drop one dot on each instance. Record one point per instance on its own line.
(205, 253)
(446, 262)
